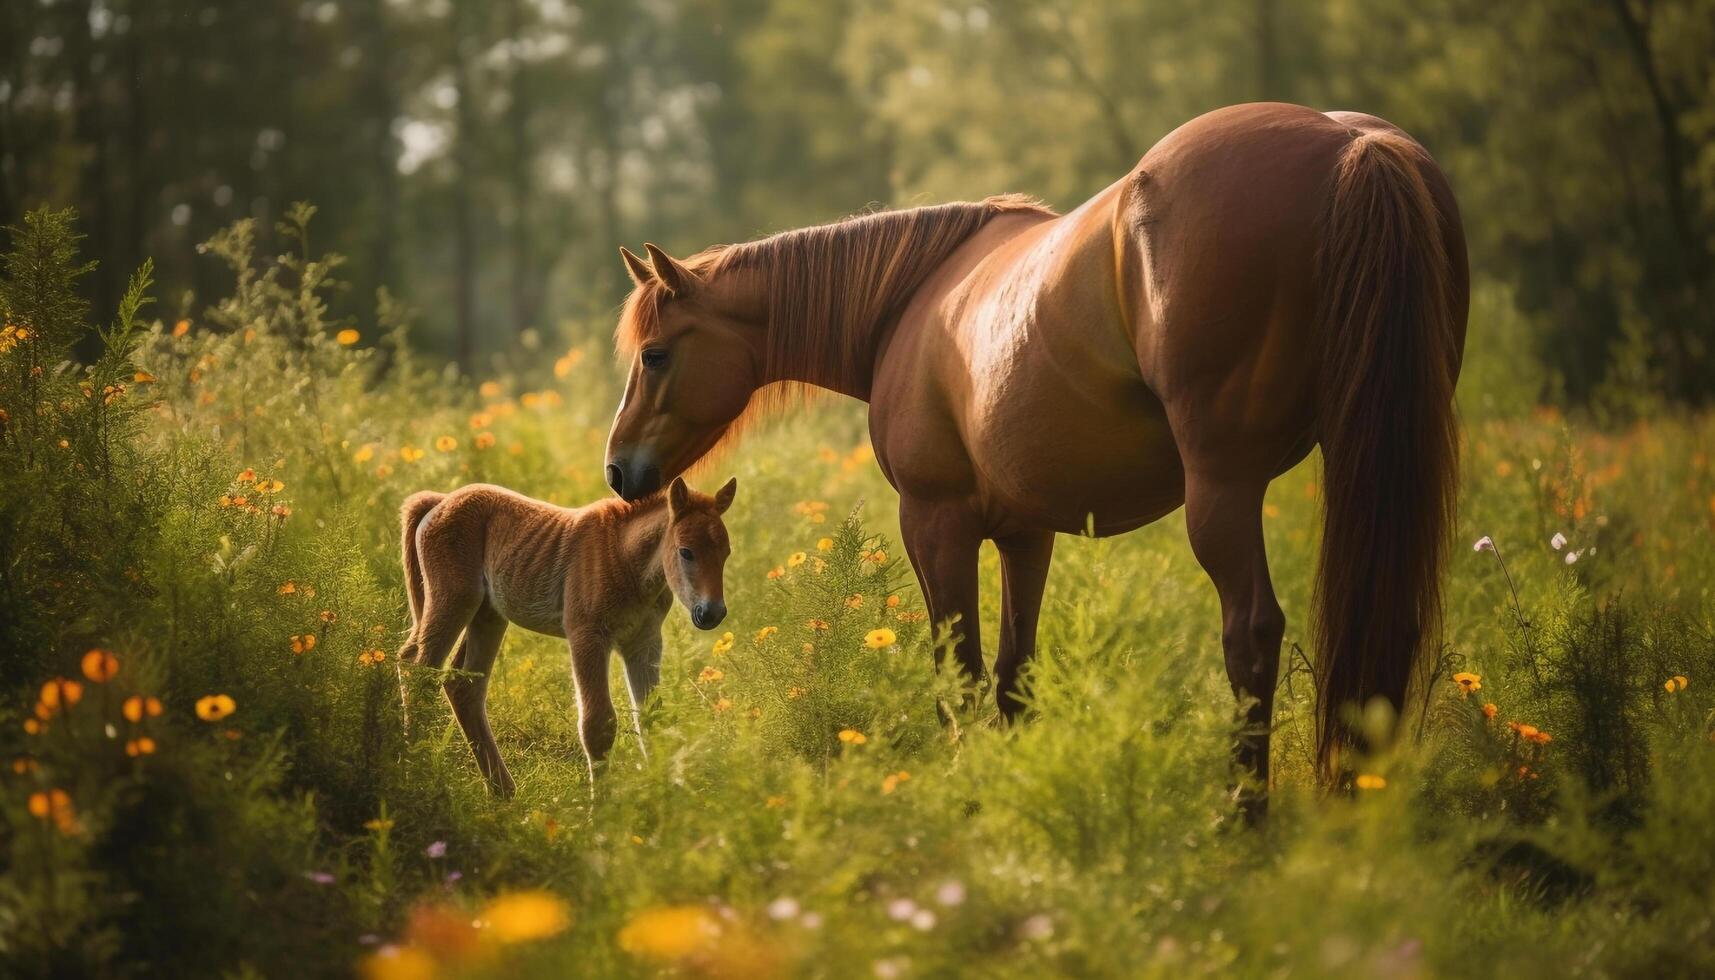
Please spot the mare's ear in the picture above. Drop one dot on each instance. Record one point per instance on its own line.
(678, 497)
(723, 496)
(670, 270)
(639, 269)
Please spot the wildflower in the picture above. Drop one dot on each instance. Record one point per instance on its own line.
(794, 692)
(378, 824)
(901, 909)
(824, 544)
(100, 666)
(1484, 543)
(724, 644)
(1558, 541)
(32, 726)
(891, 781)
(783, 908)
(1523, 730)
(181, 328)
(365, 453)
(521, 917)
(879, 556)
(346, 337)
(23, 765)
(854, 601)
(489, 389)
(143, 377)
(775, 572)
(529, 399)
(136, 707)
(1676, 683)
(288, 588)
(796, 559)
(913, 617)
(483, 440)
(247, 475)
(446, 444)
(409, 453)
(1571, 557)
(436, 850)
(852, 736)
(55, 805)
(281, 511)
(723, 704)
(383, 471)
(143, 745)
(710, 675)
(893, 602)
(1539, 737)
(399, 963)
(764, 633)
(328, 616)
(670, 933)
(1490, 711)
(269, 486)
(877, 639)
(372, 656)
(950, 893)
(303, 643)
(214, 707)
(61, 692)
(1367, 781)
(1468, 682)
(817, 624)
(774, 802)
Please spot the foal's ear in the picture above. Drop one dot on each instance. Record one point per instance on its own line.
(678, 496)
(670, 270)
(723, 496)
(639, 269)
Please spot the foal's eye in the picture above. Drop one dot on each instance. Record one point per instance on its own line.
(655, 357)
(685, 553)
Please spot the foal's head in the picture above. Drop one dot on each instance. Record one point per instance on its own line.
(695, 362)
(696, 550)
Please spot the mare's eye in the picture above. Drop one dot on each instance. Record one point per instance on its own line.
(685, 553)
(655, 357)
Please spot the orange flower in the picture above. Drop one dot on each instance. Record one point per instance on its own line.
(346, 337)
(288, 588)
(852, 736)
(303, 643)
(854, 601)
(1367, 781)
(140, 746)
(446, 444)
(214, 707)
(483, 440)
(181, 328)
(61, 692)
(893, 602)
(136, 707)
(776, 572)
(891, 781)
(55, 805)
(1468, 682)
(100, 666)
(1490, 711)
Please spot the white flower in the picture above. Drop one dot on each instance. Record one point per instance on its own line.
(924, 920)
(1558, 541)
(888, 969)
(951, 893)
(1571, 556)
(1038, 927)
(1484, 543)
(901, 909)
(811, 920)
(783, 908)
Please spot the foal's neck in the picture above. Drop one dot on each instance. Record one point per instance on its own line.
(640, 535)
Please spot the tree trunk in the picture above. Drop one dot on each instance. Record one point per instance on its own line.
(464, 222)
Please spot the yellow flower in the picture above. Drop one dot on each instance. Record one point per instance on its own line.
(446, 444)
(289, 587)
(143, 377)
(852, 736)
(764, 633)
(1676, 683)
(409, 453)
(378, 824)
(854, 601)
(1367, 781)
(1468, 682)
(364, 453)
(100, 666)
(775, 572)
(398, 963)
(346, 337)
(214, 707)
(529, 399)
(489, 389)
(796, 559)
(723, 644)
(824, 544)
(876, 639)
(303, 643)
(522, 917)
(710, 675)
(891, 781)
(673, 932)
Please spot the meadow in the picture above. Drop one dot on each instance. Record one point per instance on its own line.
(205, 772)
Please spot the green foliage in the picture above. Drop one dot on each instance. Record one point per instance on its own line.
(809, 793)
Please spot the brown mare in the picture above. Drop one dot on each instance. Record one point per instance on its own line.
(601, 576)
(1268, 278)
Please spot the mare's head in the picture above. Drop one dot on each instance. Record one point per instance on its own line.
(695, 362)
(695, 552)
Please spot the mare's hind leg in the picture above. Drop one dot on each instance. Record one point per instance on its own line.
(1224, 521)
(1024, 561)
(467, 692)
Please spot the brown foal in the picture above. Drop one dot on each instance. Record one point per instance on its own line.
(602, 576)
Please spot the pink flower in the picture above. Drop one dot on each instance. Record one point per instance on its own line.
(1484, 543)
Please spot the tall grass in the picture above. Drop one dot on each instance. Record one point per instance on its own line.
(213, 503)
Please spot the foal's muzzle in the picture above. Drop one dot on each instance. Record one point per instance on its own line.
(707, 615)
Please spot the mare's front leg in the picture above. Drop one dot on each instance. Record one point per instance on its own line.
(942, 541)
(597, 725)
(1024, 560)
(641, 654)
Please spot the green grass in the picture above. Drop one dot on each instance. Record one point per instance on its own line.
(1099, 838)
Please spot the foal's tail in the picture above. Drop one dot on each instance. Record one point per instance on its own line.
(411, 514)
(1388, 313)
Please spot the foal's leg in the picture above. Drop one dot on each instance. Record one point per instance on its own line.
(596, 722)
(467, 692)
(1224, 521)
(450, 600)
(641, 655)
(1024, 561)
(942, 542)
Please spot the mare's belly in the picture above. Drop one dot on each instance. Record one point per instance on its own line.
(1075, 457)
